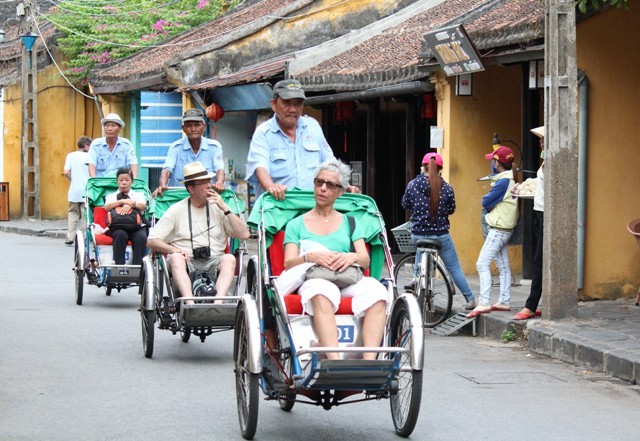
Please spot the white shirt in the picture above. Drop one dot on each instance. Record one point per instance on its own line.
(76, 163)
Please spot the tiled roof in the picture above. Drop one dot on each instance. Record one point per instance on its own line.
(11, 52)
(397, 55)
(256, 72)
(149, 63)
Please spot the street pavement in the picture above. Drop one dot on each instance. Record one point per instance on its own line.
(604, 338)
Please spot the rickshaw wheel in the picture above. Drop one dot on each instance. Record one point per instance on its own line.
(185, 334)
(79, 276)
(148, 329)
(286, 401)
(246, 382)
(148, 319)
(405, 404)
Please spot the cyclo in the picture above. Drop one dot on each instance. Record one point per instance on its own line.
(93, 249)
(159, 302)
(396, 374)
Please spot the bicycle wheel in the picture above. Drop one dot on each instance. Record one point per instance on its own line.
(246, 382)
(437, 298)
(405, 403)
(403, 272)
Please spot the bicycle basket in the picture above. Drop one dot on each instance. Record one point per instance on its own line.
(402, 235)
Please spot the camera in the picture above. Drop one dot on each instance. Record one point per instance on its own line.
(201, 253)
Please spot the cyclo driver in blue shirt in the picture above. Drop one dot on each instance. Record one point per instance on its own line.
(286, 150)
(191, 148)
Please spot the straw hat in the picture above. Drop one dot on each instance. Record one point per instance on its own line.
(194, 171)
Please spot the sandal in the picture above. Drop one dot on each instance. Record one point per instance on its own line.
(478, 311)
(523, 316)
(500, 307)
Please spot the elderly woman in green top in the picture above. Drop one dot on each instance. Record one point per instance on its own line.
(323, 236)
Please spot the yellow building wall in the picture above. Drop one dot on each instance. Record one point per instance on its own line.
(469, 123)
(63, 116)
(607, 48)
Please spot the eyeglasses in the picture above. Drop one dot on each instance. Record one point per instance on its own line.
(330, 185)
(197, 183)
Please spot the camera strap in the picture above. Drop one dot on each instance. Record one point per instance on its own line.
(191, 228)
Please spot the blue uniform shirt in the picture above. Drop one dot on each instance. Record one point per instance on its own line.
(107, 163)
(181, 153)
(293, 165)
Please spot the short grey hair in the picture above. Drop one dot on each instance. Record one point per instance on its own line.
(339, 167)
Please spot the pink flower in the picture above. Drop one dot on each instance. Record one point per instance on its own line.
(159, 25)
(202, 4)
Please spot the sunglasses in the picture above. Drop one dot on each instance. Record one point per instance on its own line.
(330, 185)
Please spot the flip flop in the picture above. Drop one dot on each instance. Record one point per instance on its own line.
(523, 316)
(500, 308)
(476, 313)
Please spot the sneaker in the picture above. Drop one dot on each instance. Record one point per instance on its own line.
(68, 242)
(471, 304)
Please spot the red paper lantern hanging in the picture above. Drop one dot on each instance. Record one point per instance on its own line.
(427, 110)
(214, 112)
(344, 112)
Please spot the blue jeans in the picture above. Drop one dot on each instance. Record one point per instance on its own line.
(449, 258)
(495, 247)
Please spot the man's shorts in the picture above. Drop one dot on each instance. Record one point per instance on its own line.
(209, 265)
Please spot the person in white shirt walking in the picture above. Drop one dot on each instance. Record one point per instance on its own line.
(77, 171)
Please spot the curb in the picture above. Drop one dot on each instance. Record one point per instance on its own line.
(608, 352)
(54, 234)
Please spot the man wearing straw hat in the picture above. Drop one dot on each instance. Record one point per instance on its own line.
(194, 231)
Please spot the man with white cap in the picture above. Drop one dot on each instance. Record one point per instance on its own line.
(286, 150)
(112, 152)
(190, 148)
(194, 231)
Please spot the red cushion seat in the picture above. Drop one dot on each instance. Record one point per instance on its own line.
(292, 301)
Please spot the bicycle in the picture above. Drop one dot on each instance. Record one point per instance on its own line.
(432, 285)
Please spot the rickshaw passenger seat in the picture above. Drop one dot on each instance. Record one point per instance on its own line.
(292, 301)
(100, 218)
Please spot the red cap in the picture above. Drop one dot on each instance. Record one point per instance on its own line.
(502, 154)
(428, 156)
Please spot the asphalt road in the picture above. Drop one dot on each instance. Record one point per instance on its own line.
(71, 372)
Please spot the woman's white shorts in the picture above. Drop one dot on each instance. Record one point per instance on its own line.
(365, 293)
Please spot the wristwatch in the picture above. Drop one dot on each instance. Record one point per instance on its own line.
(226, 213)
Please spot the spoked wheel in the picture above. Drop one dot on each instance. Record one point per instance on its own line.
(403, 272)
(435, 302)
(246, 382)
(287, 400)
(79, 274)
(185, 334)
(148, 318)
(405, 404)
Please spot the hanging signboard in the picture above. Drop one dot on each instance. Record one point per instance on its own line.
(454, 51)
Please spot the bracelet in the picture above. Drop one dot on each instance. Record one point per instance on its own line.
(226, 213)
(304, 257)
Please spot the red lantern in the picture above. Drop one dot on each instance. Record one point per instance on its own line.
(214, 112)
(427, 111)
(345, 113)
